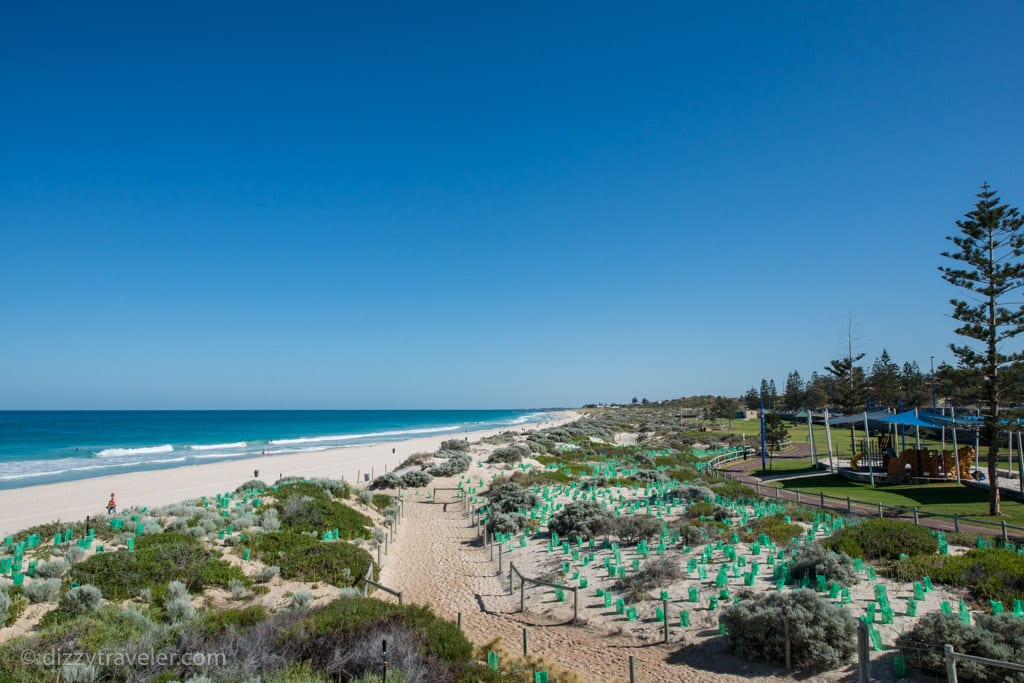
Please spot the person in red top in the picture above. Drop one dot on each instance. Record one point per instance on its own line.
(111, 505)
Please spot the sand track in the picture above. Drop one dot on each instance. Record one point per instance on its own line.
(436, 560)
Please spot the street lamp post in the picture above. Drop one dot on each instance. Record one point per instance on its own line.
(934, 404)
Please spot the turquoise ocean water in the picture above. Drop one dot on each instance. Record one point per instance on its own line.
(38, 447)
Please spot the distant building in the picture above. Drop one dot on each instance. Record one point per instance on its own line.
(746, 415)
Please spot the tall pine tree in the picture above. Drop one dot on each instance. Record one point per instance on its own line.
(989, 266)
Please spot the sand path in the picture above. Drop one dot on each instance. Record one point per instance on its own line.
(436, 560)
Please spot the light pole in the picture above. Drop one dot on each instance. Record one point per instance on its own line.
(934, 405)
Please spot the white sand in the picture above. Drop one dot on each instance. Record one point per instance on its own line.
(74, 500)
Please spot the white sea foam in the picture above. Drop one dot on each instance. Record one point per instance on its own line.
(114, 452)
(215, 446)
(368, 435)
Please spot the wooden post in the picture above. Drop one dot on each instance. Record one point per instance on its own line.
(863, 654)
(950, 661)
(917, 522)
(459, 621)
(575, 605)
(664, 613)
(632, 669)
(1005, 539)
(378, 554)
(522, 593)
(880, 515)
(526, 642)
(798, 496)
(849, 506)
(822, 497)
(956, 522)
(501, 554)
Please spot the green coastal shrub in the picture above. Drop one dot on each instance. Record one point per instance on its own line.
(511, 453)
(455, 445)
(993, 636)
(505, 523)
(775, 527)
(386, 481)
(41, 590)
(305, 506)
(878, 539)
(631, 529)
(305, 558)
(216, 622)
(656, 573)
(157, 559)
(509, 496)
(81, 600)
(714, 511)
(456, 464)
(816, 560)
(988, 573)
(12, 605)
(581, 518)
(53, 569)
(823, 636)
(414, 479)
(251, 485)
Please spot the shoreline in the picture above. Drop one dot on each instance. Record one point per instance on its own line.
(72, 501)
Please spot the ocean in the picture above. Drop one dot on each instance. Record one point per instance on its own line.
(41, 447)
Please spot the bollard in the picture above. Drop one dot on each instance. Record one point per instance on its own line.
(849, 506)
(1005, 539)
(526, 642)
(880, 510)
(459, 621)
(917, 522)
(664, 612)
(822, 496)
(778, 492)
(632, 669)
(956, 522)
(798, 496)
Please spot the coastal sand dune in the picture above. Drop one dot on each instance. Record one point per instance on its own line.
(436, 560)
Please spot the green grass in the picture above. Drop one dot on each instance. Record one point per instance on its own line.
(945, 499)
(787, 466)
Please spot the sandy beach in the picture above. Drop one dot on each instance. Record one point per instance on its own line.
(75, 500)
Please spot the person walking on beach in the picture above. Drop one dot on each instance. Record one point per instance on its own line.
(111, 505)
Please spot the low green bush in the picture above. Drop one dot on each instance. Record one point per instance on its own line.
(631, 529)
(458, 463)
(822, 636)
(157, 559)
(775, 527)
(510, 454)
(455, 445)
(217, 621)
(988, 573)
(251, 485)
(305, 558)
(581, 518)
(714, 511)
(817, 560)
(509, 496)
(304, 506)
(386, 481)
(345, 618)
(877, 539)
(993, 636)
(414, 479)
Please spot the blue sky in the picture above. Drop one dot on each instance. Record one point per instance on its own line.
(426, 205)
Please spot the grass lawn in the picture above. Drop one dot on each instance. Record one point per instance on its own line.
(945, 499)
(786, 466)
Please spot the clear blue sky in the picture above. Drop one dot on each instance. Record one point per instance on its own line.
(429, 205)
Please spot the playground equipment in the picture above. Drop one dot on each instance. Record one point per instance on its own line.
(932, 464)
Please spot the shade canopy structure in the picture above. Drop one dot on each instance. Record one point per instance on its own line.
(874, 416)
